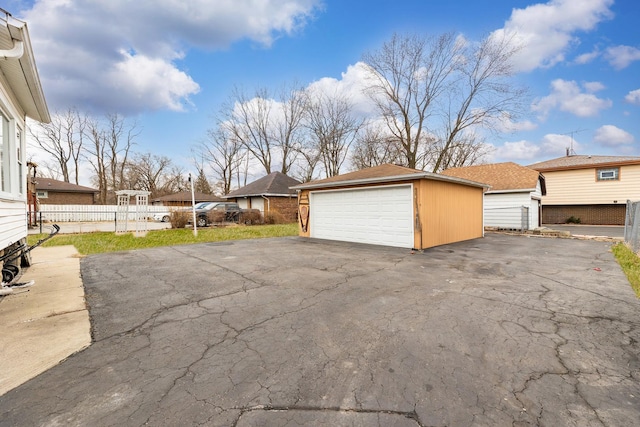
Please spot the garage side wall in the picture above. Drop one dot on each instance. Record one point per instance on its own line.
(449, 212)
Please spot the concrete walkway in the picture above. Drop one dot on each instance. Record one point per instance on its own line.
(613, 231)
(45, 323)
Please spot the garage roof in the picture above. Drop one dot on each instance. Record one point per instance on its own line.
(502, 177)
(382, 174)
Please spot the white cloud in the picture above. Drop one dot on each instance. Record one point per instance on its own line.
(352, 85)
(506, 124)
(517, 150)
(593, 86)
(633, 97)
(567, 96)
(557, 145)
(585, 58)
(551, 145)
(612, 136)
(546, 30)
(621, 56)
(123, 56)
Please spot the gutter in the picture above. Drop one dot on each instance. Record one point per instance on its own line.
(15, 52)
(406, 177)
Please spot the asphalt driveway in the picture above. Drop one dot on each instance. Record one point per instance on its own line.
(505, 330)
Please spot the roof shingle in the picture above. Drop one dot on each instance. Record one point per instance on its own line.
(583, 162)
(500, 176)
(274, 184)
(48, 184)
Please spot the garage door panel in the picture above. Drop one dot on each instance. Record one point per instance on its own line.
(376, 216)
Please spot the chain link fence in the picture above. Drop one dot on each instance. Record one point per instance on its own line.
(632, 226)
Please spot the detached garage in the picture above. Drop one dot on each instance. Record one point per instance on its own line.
(393, 206)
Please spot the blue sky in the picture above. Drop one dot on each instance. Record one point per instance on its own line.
(170, 64)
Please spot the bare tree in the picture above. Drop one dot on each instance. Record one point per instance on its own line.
(333, 128)
(175, 180)
(247, 121)
(416, 81)
(223, 153)
(147, 172)
(95, 154)
(119, 138)
(309, 157)
(286, 127)
(62, 139)
(374, 146)
(108, 152)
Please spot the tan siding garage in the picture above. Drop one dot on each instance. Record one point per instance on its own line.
(393, 206)
(375, 215)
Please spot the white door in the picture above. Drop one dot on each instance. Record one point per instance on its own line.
(374, 215)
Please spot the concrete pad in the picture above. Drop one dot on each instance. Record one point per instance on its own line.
(45, 323)
(508, 330)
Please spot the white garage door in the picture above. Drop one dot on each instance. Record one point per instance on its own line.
(377, 215)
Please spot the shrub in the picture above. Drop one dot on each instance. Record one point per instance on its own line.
(251, 217)
(275, 217)
(573, 220)
(214, 216)
(179, 219)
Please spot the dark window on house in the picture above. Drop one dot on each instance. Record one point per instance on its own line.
(609, 174)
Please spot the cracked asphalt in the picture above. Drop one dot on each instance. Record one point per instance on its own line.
(500, 331)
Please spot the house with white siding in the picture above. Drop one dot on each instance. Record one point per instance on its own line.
(589, 189)
(21, 96)
(513, 201)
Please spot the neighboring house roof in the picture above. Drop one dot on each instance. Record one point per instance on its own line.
(382, 174)
(48, 184)
(18, 67)
(275, 184)
(584, 162)
(502, 177)
(185, 196)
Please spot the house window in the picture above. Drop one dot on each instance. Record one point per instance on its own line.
(609, 174)
(42, 194)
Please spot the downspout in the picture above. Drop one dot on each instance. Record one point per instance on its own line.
(268, 203)
(15, 52)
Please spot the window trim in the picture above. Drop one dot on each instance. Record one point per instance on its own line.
(614, 170)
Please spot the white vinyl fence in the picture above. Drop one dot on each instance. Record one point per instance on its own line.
(91, 213)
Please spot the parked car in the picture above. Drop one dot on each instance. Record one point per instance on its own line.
(209, 212)
(162, 216)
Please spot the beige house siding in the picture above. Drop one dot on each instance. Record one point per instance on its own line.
(581, 187)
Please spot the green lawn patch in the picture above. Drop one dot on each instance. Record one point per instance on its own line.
(100, 242)
(630, 263)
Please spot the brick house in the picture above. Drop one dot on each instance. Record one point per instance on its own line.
(53, 192)
(270, 194)
(593, 189)
(183, 198)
